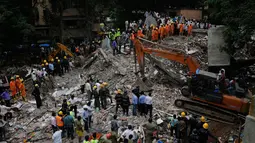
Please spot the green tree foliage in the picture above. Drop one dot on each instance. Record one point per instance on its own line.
(238, 16)
(15, 29)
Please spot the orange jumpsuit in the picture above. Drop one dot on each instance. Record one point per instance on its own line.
(153, 35)
(161, 31)
(168, 30)
(22, 90)
(18, 82)
(190, 29)
(13, 88)
(165, 31)
(156, 34)
(140, 33)
(181, 28)
(172, 29)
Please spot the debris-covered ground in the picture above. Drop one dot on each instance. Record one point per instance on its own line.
(119, 72)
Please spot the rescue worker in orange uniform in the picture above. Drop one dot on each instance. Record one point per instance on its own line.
(22, 90)
(153, 35)
(161, 31)
(140, 33)
(18, 82)
(181, 29)
(172, 29)
(156, 34)
(189, 29)
(13, 88)
(60, 122)
(165, 31)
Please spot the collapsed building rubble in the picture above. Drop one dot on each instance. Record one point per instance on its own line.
(32, 124)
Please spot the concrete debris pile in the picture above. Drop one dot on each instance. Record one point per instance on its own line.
(119, 71)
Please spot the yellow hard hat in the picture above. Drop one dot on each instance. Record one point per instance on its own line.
(183, 114)
(58, 60)
(46, 64)
(17, 76)
(202, 119)
(60, 113)
(205, 126)
(118, 91)
(21, 80)
(56, 57)
(94, 87)
(118, 29)
(12, 78)
(36, 85)
(52, 60)
(105, 83)
(42, 64)
(44, 61)
(64, 57)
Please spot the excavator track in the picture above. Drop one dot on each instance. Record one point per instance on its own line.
(210, 111)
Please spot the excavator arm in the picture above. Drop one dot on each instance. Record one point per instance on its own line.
(181, 58)
(61, 47)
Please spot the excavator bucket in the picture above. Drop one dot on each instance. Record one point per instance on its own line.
(143, 83)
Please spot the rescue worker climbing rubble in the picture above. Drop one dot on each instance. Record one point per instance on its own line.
(22, 90)
(13, 88)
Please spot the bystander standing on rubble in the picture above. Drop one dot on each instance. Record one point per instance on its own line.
(134, 103)
(88, 89)
(53, 122)
(173, 124)
(64, 108)
(65, 64)
(85, 117)
(69, 125)
(79, 128)
(118, 99)
(36, 94)
(88, 106)
(57, 136)
(6, 97)
(125, 103)
(192, 123)
(73, 107)
(82, 84)
(150, 128)
(102, 96)
(148, 102)
(142, 103)
(114, 124)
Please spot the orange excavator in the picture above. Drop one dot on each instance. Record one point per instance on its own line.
(60, 47)
(202, 99)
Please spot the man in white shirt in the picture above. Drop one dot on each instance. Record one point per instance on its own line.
(53, 122)
(88, 89)
(57, 138)
(128, 132)
(148, 103)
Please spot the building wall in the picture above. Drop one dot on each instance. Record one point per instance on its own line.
(41, 5)
(190, 14)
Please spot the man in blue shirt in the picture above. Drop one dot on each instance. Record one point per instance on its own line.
(134, 102)
(7, 98)
(142, 103)
(69, 125)
(85, 117)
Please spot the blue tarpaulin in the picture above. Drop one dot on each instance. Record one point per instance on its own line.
(44, 45)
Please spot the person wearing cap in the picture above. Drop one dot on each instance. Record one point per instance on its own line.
(118, 99)
(102, 96)
(85, 117)
(65, 64)
(58, 68)
(36, 94)
(182, 127)
(199, 125)
(17, 82)
(107, 91)
(22, 90)
(96, 96)
(204, 133)
(13, 88)
(60, 122)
